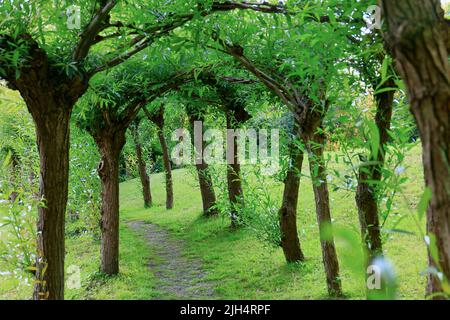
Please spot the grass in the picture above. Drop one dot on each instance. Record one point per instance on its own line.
(240, 265)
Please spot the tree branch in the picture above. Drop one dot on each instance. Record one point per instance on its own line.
(142, 41)
(96, 25)
(237, 52)
(130, 113)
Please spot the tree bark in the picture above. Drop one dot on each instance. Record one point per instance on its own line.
(315, 143)
(110, 144)
(288, 211)
(158, 119)
(145, 179)
(235, 191)
(204, 178)
(167, 168)
(419, 38)
(370, 177)
(52, 132)
(50, 97)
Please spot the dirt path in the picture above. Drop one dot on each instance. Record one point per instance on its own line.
(180, 277)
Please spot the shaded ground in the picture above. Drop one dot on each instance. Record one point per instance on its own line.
(179, 276)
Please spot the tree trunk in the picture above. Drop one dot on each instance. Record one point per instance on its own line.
(370, 177)
(110, 144)
(235, 192)
(204, 178)
(315, 144)
(145, 179)
(52, 132)
(157, 118)
(167, 168)
(288, 211)
(419, 39)
(50, 97)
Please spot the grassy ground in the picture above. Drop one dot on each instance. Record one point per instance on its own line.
(241, 266)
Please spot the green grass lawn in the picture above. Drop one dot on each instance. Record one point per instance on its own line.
(240, 265)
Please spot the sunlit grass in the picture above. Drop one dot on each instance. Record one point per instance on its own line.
(239, 265)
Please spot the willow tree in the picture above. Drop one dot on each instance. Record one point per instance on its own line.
(376, 71)
(418, 35)
(111, 107)
(49, 59)
(197, 113)
(301, 69)
(231, 95)
(309, 113)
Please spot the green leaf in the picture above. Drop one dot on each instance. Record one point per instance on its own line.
(401, 231)
(384, 68)
(386, 90)
(374, 136)
(7, 160)
(423, 203)
(434, 252)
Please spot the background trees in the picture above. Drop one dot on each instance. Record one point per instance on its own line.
(317, 62)
(112, 107)
(51, 78)
(196, 118)
(141, 162)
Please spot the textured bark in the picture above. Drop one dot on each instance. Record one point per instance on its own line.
(370, 177)
(204, 178)
(145, 179)
(418, 37)
(314, 139)
(110, 144)
(235, 191)
(52, 133)
(288, 211)
(50, 97)
(315, 144)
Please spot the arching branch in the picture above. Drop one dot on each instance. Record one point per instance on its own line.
(96, 24)
(148, 35)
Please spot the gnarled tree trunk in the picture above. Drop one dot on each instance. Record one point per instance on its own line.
(288, 211)
(204, 178)
(50, 97)
(419, 38)
(370, 177)
(110, 144)
(145, 179)
(52, 132)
